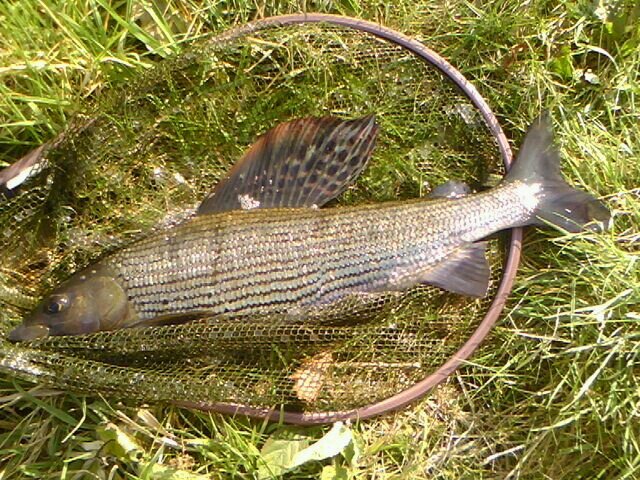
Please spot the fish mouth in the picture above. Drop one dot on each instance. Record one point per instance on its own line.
(24, 333)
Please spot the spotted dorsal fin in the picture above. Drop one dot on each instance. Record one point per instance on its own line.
(302, 163)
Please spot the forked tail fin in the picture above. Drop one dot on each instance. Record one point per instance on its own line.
(538, 163)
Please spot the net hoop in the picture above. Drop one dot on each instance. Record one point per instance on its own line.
(28, 165)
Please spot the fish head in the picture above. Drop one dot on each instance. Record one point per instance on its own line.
(90, 301)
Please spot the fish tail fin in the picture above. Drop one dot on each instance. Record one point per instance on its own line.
(558, 203)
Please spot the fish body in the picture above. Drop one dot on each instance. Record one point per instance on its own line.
(287, 257)
(269, 261)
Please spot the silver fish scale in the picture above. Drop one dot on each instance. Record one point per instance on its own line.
(267, 261)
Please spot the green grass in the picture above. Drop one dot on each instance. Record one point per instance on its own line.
(553, 392)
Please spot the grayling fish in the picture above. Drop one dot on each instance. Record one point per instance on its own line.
(260, 245)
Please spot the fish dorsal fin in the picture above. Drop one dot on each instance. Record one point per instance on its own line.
(450, 189)
(302, 163)
(466, 271)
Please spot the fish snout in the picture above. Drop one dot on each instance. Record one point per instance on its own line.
(24, 333)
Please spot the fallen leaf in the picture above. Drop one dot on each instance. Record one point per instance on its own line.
(279, 456)
(119, 443)
(311, 376)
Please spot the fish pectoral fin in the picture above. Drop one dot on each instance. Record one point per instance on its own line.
(176, 319)
(450, 189)
(302, 163)
(466, 271)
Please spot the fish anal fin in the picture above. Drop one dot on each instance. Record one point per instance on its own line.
(466, 271)
(302, 163)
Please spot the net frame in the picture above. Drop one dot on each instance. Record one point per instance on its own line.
(29, 165)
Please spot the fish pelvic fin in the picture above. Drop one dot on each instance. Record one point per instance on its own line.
(301, 163)
(558, 203)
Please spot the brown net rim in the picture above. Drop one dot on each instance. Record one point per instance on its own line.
(418, 390)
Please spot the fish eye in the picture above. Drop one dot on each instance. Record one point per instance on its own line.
(57, 303)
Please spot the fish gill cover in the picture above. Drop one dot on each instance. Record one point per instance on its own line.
(143, 155)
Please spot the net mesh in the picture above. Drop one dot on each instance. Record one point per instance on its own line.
(140, 157)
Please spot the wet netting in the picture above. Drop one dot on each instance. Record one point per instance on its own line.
(141, 156)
